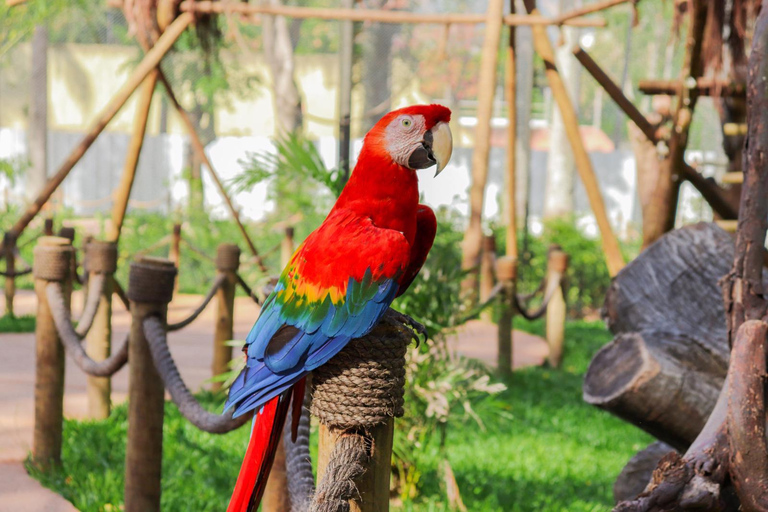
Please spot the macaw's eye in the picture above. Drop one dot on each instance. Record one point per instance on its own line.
(406, 122)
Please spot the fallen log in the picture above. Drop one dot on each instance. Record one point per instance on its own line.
(635, 476)
(664, 369)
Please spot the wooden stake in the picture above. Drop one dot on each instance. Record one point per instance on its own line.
(10, 268)
(199, 149)
(557, 264)
(506, 273)
(286, 247)
(486, 274)
(373, 486)
(543, 47)
(99, 338)
(146, 403)
(228, 261)
(123, 193)
(49, 363)
(472, 245)
(148, 63)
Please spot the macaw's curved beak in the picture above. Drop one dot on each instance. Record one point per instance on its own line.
(442, 145)
(435, 149)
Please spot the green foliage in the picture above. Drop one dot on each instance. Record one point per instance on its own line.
(548, 451)
(10, 323)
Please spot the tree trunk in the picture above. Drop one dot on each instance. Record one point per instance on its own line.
(38, 114)
(278, 50)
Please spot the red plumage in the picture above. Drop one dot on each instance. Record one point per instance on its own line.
(373, 242)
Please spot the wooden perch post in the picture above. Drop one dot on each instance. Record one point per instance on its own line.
(150, 290)
(148, 63)
(472, 244)
(227, 263)
(557, 265)
(506, 273)
(101, 258)
(286, 247)
(53, 256)
(543, 47)
(511, 94)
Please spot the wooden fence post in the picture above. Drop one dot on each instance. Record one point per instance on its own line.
(48, 226)
(557, 264)
(487, 275)
(9, 243)
(227, 263)
(174, 251)
(286, 247)
(506, 273)
(150, 289)
(101, 258)
(52, 263)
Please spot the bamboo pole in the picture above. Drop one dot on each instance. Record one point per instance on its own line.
(199, 149)
(227, 263)
(588, 9)
(123, 193)
(472, 244)
(557, 264)
(511, 92)
(10, 269)
(705, 86)
(149, 295)
(506, 273)
(376, 16)
(148, 63)
(373, 486)
(543, 47)
(51, 264)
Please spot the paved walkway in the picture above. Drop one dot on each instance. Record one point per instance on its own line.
(192, 351)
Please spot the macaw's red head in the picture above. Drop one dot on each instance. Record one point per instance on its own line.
(415, 137)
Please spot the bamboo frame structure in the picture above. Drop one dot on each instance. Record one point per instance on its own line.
(510, 86)
(379, 16)
(543, 47)
(148, 63)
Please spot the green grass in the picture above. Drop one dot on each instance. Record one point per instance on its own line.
(24, 323)
(550, 452)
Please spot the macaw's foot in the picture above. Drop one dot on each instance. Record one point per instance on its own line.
(417, 328)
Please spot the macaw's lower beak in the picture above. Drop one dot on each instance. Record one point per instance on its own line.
(435, 149)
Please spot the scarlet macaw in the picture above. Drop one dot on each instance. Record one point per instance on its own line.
(341, 280)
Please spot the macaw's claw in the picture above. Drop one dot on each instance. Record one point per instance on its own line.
(416, 328)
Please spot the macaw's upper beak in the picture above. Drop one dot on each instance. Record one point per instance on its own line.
(435, 149)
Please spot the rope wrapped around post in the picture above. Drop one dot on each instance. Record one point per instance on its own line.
(357, 395)
(72, 341)
(196, 313)
(189, 407)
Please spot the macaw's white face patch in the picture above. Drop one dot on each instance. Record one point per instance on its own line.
(404, 135)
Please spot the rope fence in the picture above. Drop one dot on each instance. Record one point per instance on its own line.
(355, 396)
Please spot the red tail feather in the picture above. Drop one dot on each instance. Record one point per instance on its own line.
(267, 430)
